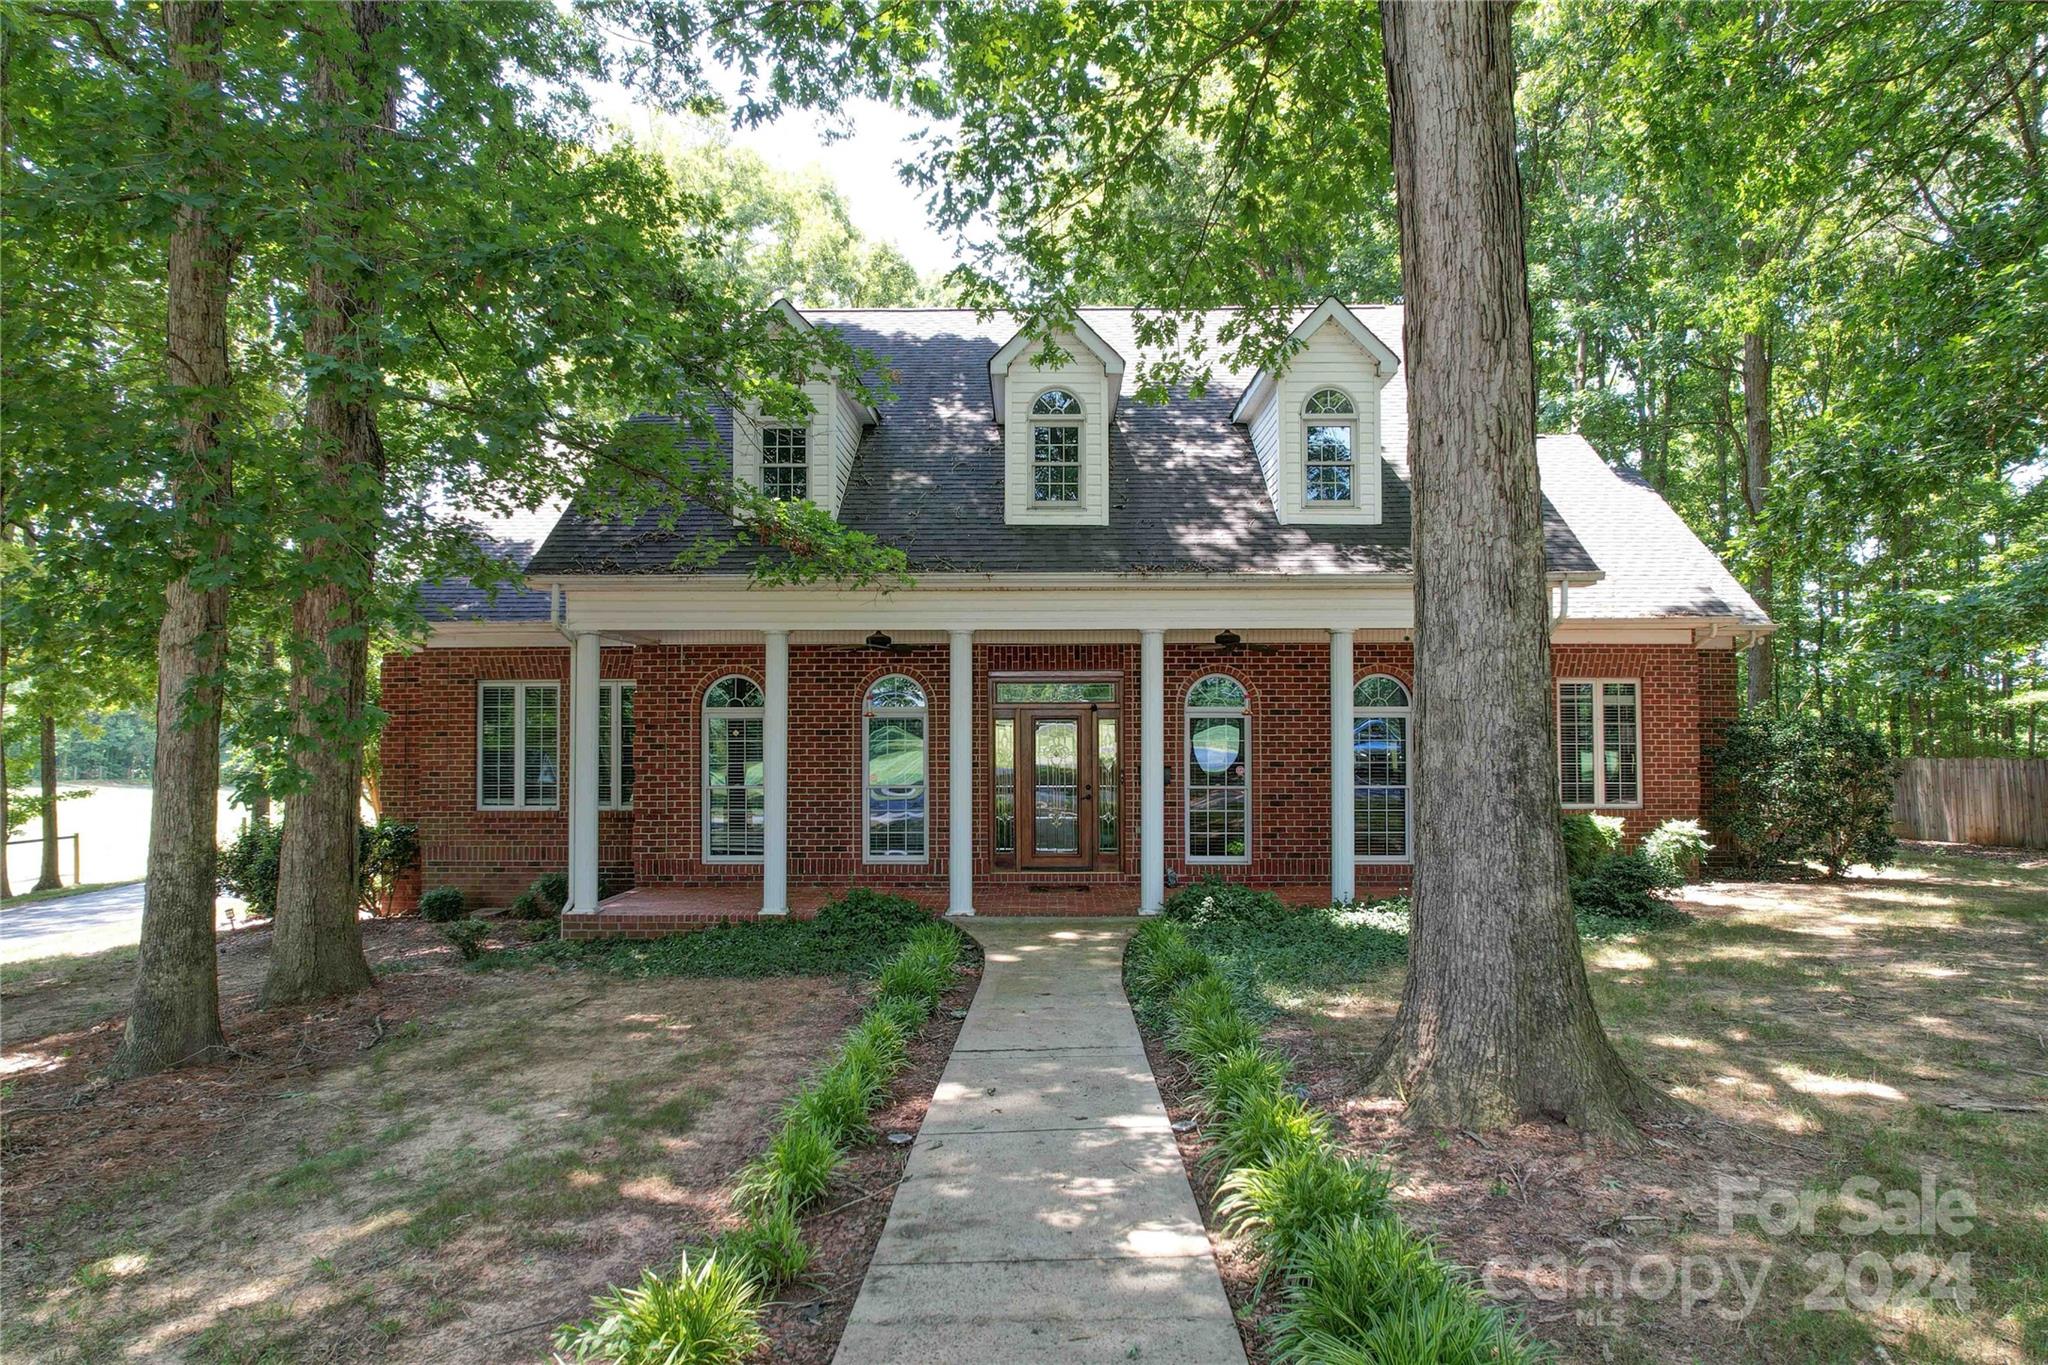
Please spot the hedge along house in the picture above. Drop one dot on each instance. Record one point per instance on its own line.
(1146, 644)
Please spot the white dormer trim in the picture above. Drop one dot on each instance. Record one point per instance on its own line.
(832, 433)
(1329, 310)
(1022, 344)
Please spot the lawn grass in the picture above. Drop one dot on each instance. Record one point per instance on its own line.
(1814, 1032)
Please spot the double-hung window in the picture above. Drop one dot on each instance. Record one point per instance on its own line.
(786, 463)
(1056, 447)
(1329, 438)
(518, 744)
(1218, 762)
(615, 745)
(896, 806)
(735, 773)
(1599, 742)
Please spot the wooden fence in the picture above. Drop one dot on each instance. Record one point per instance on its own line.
(2000, 801)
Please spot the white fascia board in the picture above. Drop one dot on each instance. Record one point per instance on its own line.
(1331, 309)
(999, 363)
(493, 635)
(789, 313)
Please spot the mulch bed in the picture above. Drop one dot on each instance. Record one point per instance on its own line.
(805, 1324)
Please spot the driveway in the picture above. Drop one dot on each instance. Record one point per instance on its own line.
(85, 923)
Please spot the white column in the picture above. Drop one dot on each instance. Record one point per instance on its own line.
(1152, 771)
(1343, 849)
(775, 779)
(960, 773)
(583, 672)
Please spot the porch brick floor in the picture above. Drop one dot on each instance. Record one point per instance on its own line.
(658, 911)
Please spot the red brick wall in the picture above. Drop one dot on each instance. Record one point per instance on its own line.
(429, 759)
(1720, 703)
(427, 775)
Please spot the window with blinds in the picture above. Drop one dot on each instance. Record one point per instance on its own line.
(1599, 742)
(519, 733)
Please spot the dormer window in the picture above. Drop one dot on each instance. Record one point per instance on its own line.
(786, 463)
(1056, 447)
(1329, 438)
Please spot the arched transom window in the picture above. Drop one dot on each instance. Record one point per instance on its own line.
(1218, 762)
(1329, 440)
(1379, 768)
(735, 793)
(1056, 447)
(894, 796)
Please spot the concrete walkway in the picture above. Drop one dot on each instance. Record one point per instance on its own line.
(1044, 1214)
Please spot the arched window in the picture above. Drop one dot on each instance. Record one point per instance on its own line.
(1218, 762)
(1056, 447)
(893, 723)
(1329, 440)
(735, 790)
(1379, 768)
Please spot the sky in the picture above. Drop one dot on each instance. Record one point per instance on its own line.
(864, 165)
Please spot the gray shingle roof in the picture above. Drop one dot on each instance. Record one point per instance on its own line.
(513, 539)
(1652, 564)
(1186, 492)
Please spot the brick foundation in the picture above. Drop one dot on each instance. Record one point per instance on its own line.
(429, 762)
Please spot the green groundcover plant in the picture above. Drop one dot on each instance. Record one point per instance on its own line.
(1359, 1285)
(706, 1311)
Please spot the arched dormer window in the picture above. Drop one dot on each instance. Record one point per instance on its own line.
(735, 787)
(1330, 440)
(1056, 447)
(1218, 762)
(1379, 768)
(896, 813)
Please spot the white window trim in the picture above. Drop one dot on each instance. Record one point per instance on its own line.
(923, 714)
(1078, 420)
(519, 687)
(1406, 713)
(711, 713)
(802, 431)
(617, 687)
(1347, 420)
(1599, 801)
(1190, 714)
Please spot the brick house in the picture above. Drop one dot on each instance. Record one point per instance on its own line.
(1147, 643)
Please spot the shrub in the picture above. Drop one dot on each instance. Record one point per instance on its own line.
(1236, 1076)
(1787, 788)
(467, 937)
(248, 867)
(795, 1169)
(551, 889)
(837, 1102)
(769, 1247)
(1303, 1194)
(1678, 847)
(867, 916)
(1621, 887)
(1212, 901)
(385, 851)
(442, 904)
(1589, 840)
(703, 1314)
(1268, 1127)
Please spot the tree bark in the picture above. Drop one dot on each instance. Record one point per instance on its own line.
(176, 1015)
(1756, 484)
(317, 951)
(46, 760)
(1496, 1022)
(259, 801)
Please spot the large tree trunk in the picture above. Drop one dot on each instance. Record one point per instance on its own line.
(1496, 1023)
(1756, 484)
(317, 951)
(46, 760)
(176, 1014)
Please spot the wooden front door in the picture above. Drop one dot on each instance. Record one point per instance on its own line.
(1056, 778)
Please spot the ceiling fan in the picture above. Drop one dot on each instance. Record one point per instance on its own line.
(878, 640)
(1230, 642)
